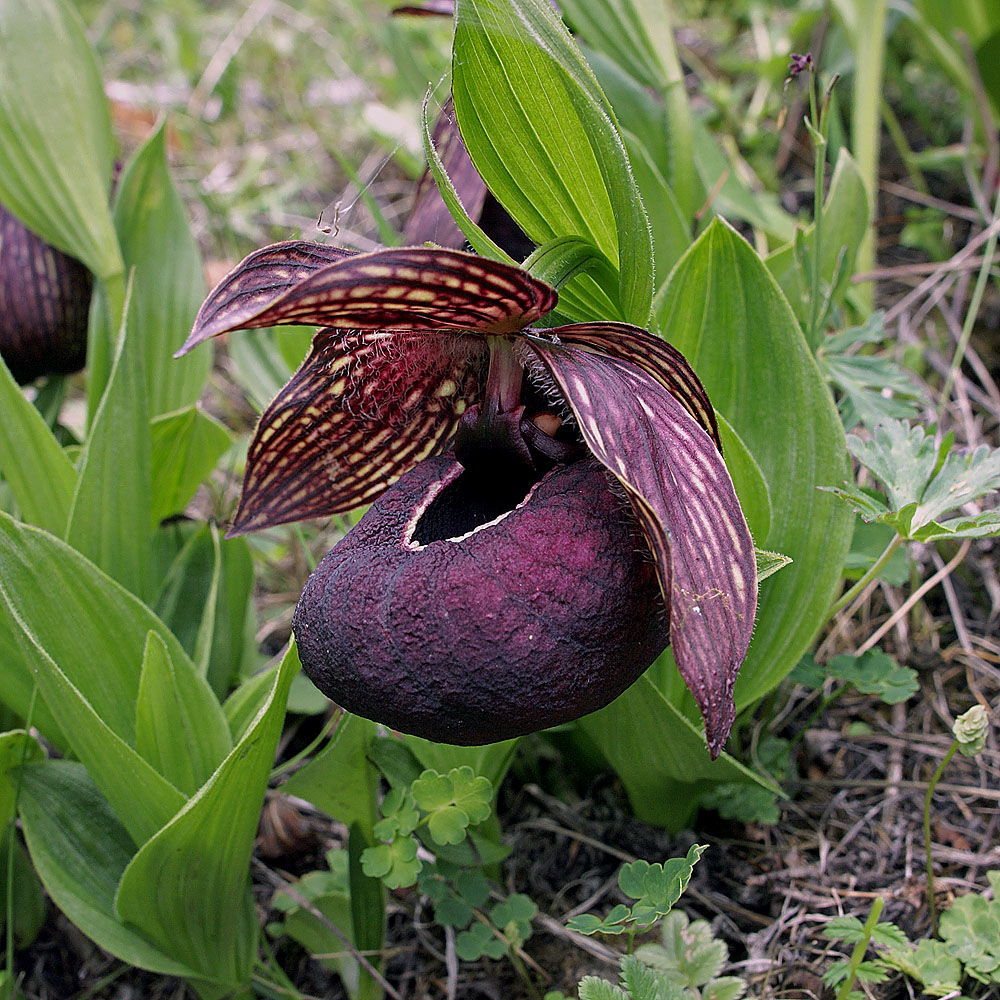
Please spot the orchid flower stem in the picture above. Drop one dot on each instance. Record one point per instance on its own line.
(860, 948)
(931, 906)
(872, 572)
(818, 119)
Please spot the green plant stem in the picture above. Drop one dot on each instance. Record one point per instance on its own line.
(972, 312)
(869, 48)
(860, 948)
(931, 906)
(871, 573)
(813, 335)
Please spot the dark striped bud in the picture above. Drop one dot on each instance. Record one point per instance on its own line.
(44, 304)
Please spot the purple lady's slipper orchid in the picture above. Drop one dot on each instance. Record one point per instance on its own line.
(44, 303)
(504, 583)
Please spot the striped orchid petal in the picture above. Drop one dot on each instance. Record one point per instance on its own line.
(687, 507)
(654, 356)
(363, 409)
(410, 288)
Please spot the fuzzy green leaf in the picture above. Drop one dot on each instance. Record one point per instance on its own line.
(188, 888)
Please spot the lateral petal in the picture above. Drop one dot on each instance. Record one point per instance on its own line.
(653, 355)
(407, 288)
(365, 407)
(684, 499)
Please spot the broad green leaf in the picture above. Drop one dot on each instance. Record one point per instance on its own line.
(80, 849)
(188, 887)
(167, 281)
(185, 447)
(179, 726)
(845, 221)
(56, 146)
(111, 514)
(17, 683)
(747, 479)
(340, 779)
(242, 706)
(659, 754)
(722, 309)
(204, 598)
(143, 799)
(88, 624)
(40, 476)
(544, 138)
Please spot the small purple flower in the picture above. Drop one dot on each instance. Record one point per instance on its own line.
(551, 506)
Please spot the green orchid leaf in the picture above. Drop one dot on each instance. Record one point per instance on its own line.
(80, 849)
(755, 500)
(576, 166)
(188, 888)
(143, 799)
(42, 488)
(56, 145)
(204, 597)
(722, 309)
(180, 727)
(659, 753)
(167, 283)
(185, 446)
(112, 526)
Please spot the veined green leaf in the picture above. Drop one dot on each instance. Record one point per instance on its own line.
(188, 887)
(185, 447)
(91, 626)
(56, 145)
(142, 798)
(544, 138)
(110, 519)
(722, 309)
(80, 849)
(748, 480)
(204, 597)
(659, 754)
(40, 476)
(167, 281)
(179, 727)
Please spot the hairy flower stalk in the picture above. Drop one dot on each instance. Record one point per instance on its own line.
(44, 301)
(550, 507)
